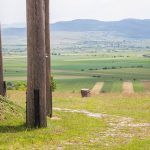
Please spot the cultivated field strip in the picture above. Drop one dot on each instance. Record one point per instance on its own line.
(146, 85)
(97, 88)
(128, 87)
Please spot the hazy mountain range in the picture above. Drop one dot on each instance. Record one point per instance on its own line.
(130, 28)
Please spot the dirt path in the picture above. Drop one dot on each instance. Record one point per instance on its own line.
(146, 85)
(97, 88)
(119, 127)
(85, 112)
(128, 87)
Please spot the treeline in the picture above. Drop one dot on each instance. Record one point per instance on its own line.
(22, 85)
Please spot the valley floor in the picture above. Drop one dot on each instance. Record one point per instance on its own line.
(105, 121)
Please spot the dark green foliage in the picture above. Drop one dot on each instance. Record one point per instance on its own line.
(96, 76)
(53, 84)
(16, 85)
(22, 85)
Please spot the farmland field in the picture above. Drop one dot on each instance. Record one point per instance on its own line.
(73, 72)
(81, 59)
(109, 120)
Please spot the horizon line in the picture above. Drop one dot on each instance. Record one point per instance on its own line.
(80, 19)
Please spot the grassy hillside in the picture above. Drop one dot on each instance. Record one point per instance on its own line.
(10, 114)
(104, 122)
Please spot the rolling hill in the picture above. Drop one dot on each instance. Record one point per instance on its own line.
(130, 28)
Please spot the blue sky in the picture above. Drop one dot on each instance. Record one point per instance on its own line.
(14, 11)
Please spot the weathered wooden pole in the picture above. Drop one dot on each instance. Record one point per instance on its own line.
(48, 60)
(2, 83)
(36, 76)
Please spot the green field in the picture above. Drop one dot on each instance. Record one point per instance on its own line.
(124, 126)
(125, 121)
(73, 72)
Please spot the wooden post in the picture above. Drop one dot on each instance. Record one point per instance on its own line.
(36, 76)
(48, 60)
(2, 88)
(85, 93)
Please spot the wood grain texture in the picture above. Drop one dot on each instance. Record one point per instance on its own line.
(36, 76)
(1, 68)
(48, 60)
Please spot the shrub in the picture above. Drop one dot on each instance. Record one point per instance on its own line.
(53, 84)
(140, 66)
(96, 76)
(16, 85)
(22, 85)
(105, 68)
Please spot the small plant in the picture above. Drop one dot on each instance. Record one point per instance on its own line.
(53, 84)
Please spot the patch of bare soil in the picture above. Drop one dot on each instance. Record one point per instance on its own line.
(146, 85)
(55, 118)
(128, 87)
(85, 112)
(97, 88)
(119, 128)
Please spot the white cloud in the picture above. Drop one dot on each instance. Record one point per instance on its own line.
(14, 10)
